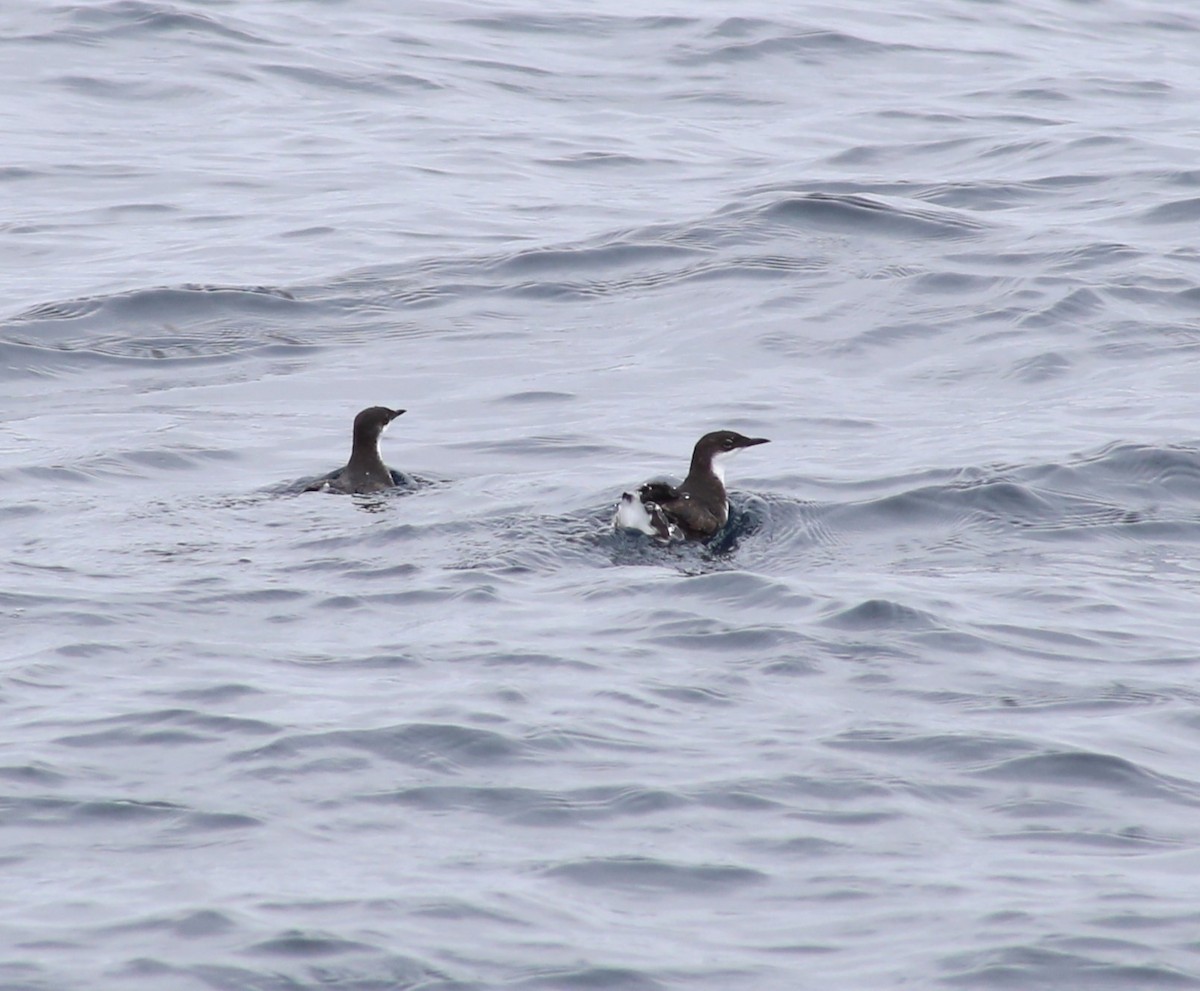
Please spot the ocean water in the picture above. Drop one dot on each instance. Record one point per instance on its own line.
(925, 717)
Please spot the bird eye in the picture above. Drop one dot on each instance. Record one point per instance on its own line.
(727, 443)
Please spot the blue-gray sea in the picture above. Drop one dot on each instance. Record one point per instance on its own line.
(926, 716)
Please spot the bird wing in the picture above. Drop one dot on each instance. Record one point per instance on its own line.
(327, 481)
(692, 518)
(652, 495)
(675, 514)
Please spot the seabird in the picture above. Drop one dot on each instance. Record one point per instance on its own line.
(699, 507)
(365, 471)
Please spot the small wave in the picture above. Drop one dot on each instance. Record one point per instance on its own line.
(34, 773)
(143, 463)
(1121, 491)
(1172, 471)
(1040, 368)
(151, 90)
(861, 214)
(584, 259)
(767, 233)
(882, 614)
(141, 18)
(187, 925)
(166, 728)
(596, 159)
(386, 84)
(651, 874)
(1185, 211)
(730, 591)
(442, 746)
(538, 396)
(201, 322)
(307, 945)
(943, 748)
(1049, 966)
(810, 46)
(98, 813)
(1086, 769)
(567, 24)
(536, 807)
(589, 979)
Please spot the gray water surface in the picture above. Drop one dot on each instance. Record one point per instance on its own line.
(927, 717)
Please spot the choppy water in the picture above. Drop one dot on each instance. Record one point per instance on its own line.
(929, 719)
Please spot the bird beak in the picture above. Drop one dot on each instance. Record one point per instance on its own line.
(754, 441)
(398, 412)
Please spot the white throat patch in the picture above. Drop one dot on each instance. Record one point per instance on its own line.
(719, 461)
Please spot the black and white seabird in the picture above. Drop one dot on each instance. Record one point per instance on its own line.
(699, 507)
(365, 471)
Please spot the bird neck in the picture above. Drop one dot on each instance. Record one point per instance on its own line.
(366, 454)
(706, 478)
